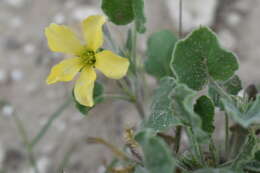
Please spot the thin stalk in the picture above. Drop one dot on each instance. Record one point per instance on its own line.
(66, 159)
(219, 89)
(133, 51)
(226, 133)
(133, 59)
(195, 146)
(179, 128)
(126, 89)
(138, 102)
(178, 138)
(214, 153)
(140, 109)
(117, 152)
(52, 118)
(110, 39)
(26, 142)
(121, 97)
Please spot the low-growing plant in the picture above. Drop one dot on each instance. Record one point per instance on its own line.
(196, 79)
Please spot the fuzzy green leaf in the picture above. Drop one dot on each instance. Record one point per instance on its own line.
(119, 12)
(140, 20)
(223, 170)
(122, 12)
(160, 46)
(98, 92)
(232, 86)
(253, 166)
(257, 156)
(244, 117)
(162, 117)
(182, 105)
(246, 154)
(200, 56)
(157, 155)
(204, 107)
(140, 169)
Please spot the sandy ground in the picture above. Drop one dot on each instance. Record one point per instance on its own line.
(25, 62)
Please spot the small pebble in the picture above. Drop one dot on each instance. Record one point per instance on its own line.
(15, 3)
(233, 19)
(29, 48)
(227, 39)
(83, 12)
(8, 110)
(59, 18)
(16, 75)
(60, 125)
(15, 22)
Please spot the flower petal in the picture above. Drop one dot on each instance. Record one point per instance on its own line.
(65, 70)
(84, 87)
(92, 29)
(63, 39)
(112, 65)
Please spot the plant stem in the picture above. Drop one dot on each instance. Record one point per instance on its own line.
(133, 50)
(121, 97)
(179, 128)
(52, 118)
(139, 100)
(219, 89)
(178, 138)
(66, 158)
(26, 142)
(195, 146)
(226, 133)
(214, 153)
(110, 39)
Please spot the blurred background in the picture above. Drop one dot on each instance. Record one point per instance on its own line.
(25, 62)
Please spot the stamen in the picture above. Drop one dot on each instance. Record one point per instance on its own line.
(88, 57)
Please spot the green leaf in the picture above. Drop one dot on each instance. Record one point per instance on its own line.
(204, 107)
(257, 156)
(162, 117)
(247, 153)
(157, 155)
(253, 166)
(199, 56)
(122, 12)
(140, 169)
(140, 20)
(232, 86)
(119, 12)
(243, 117)
(98, 92)
(223, 170)
(160, 46)
(182, 105)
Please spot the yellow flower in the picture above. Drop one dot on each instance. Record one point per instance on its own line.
(85, 57)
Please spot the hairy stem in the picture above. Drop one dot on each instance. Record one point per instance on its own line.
(138, 88)
(195, 146)
(179, 128)
(226, 133)
(178, 138)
